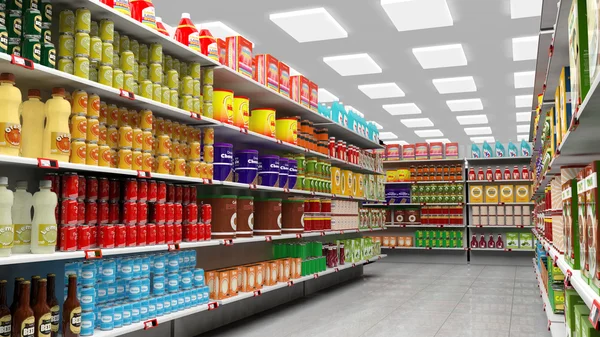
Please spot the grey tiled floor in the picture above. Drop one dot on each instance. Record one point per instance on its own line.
(420, 300)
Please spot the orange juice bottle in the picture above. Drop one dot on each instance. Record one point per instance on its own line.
(32, 112)
(10, 125)
(57, 137)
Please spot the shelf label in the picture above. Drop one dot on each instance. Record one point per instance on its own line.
(440, 226)
(144, 174)
(22, 62)
(568, 279)
(252, 186)
(244, 131)
(286, 190)
(337, 269)
(207, 181)
(299, 236)
(322, 233)
(290, 283)
(173, 247)
(555, 260)
(213, 305)
(353, 265)
(127, 94)
(228, 242)
(268, 238)
(342, 232)
(508, 249)
(195, 116)
(257, 293)
(428, 248)
(153, 323)
(93, 254)
(595, 314)
(48, 163)
(316, 275)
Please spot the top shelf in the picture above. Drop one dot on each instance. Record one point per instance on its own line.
(423, 161)
(499, 160)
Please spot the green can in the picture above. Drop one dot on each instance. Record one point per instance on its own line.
(176, 65)
(65, 64)
(105, 75)
(66, 45)
(143, 72)
(106, 30)
(197, 105)
(136, 88)
(96, 49)
(195, 70)
(93, 71)
(165, 95)
(116, 61)
(107, 53)
(146, 88)
(66, 22)
(3, 18)
(35, 4)
(81, 67)
(207, 109)
(143, 58)
(32, 23)
(124, 43)
(128, 82)
(116, 41)
(2, 5)
(208, 76)
(82, 44)
(46, 9)
(136, 70)
(14, 47)
(94, 29)
(83, 20)
(117, 79)
(183, 69)
(32, 49)
(3, 39)
(15, 5)
(157, 92)
(155, 53)
(48, 55)
(311, 164)
(196, 92)
(15, 26)
(155, 73)
(46, 35)
(187, 102)
(127, 61)
(135, 48)
(168, 62)
(188, 85)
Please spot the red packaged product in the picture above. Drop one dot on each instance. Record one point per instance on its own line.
(120, 236)
(68, 212)
(152, 191)
(185, 195)
(113, 213)
(178, 194)
(70, 185)
(190, 232)
(131, 238)
(130, 190)
(103, 188)
(84, 237)
(55, 179)
(170, 193)
(92, 188)
(80, 212)
(178, 208)
(193, 194)
(106, 237)
(141, 235)
(114, 189)
(81, 187)
(169, 233)
(200, 230)
(129, 213)
(190, 213)
(177, 233)
(91, 212)
(160, 234)
(103, 212)
(169, 213)
(94, 236)
(142, 193)
(150, 234)
(206, 214)
(207, 232)
(161, 191)
(142, 213)
(185, 29)
(68, 238)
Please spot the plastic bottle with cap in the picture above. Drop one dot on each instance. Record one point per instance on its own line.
(184, 29)
(143, 11)
(44, 231)
(10, 124)
(6, 224)
(57, 135)
(32, 114)
(161, 27)
(21, 217)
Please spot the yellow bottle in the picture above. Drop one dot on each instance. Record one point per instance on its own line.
(57, 138)
(10, 125)
(32, 112)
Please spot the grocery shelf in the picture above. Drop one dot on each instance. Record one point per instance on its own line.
(499, 203)
(556, 322)
(499, 160)
(425, 248)
(416, 204)
(508, 227)
(424, 161)
(508, 181)
(419, 182)
(409, 225)
(212, 305)
(502, 250)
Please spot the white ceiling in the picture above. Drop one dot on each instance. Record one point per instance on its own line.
(398, 77)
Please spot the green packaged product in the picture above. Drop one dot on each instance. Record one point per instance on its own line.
(48, 55)
(14, 26)
(32, 23)
(46, 9)
(32, 49)
(572, 299)
(3, 39)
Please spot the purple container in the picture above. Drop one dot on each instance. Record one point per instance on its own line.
(246, 166)
(223, 171)
(283, 172)
(268, 170)
(292, 173)
(223, 153)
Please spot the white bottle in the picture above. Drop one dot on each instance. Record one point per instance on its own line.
(44, 231)
(6, 225)
(21, 217)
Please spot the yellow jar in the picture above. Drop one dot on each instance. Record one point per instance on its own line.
(138, 139)
(222, 105)
(164, 145)
(92, 154)
(241, 111)
(93, 130)
(123, 117)
(102, 130)
(78, 127)
(179, 167)
(193, 169)
(125, 159)
(147, 140)
(147, 161)
(112, 115)
(262, 121)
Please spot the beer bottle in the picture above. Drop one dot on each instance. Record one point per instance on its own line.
(71, 321)
(16, 295)
(5, 317)
(34, 288)
(23, 320)
(41, 311)
(53, 304)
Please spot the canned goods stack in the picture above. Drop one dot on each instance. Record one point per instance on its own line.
(317, 175)
(118, 292)
(28, 31)
(74, 42)
(207, 92)
(85, 128)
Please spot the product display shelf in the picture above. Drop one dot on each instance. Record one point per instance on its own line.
(556, 322)
(420, 182)
(214, 305)
(507, 181)
(502, 250)
(425, 248)
(412, 225)
(500, 203)
(498, 160)
(500, 226)
(423, 161)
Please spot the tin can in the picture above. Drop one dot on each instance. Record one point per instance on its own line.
(187, 103)
(104, 156)
(125, 137)
(160, 235)
(68, 238)
(94, 29)
(127, 61)
(142, 214)
(105, 75)
(207, 109)
(117, 79)
(14, 48)
(125, 160)
(46, 35)
(91, 191)
(93, 71)
(147, 141)
(78, 127)
(32, 49)
(92, 154)
(46, 9)
(66, 22)
(194, 70)
(103, 113)
(114, 213)
(82, 44)
(138, 139)
(141, 235)
(123, 117)
(157, 92)
(3, 39)
(174, 98)
(206, 214)
(129, 213)
(114, 159)
(84, 236)
(164, 145)
(165, 95)
(207, 93)
(164, 164)
(77, 151)
(32, 23)
(81, 67)
(131, 236)
(81, 188)
(172, 79)
(106, 30)
(147, 161)
(124, 43)
(179, 167)
(143, 56)
(137, 160)
(68, 212)
(96, 49)
(112, 115)
(116, 41)
(155, 73)
(83, 19)
(145, 119)
(155, 53)
(134, 46)
(146, 89)
(91, 212)
(93, 130)
(142, 72)
(80, 103)
(128, 82)
(106, 57)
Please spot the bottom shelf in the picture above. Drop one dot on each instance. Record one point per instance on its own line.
(556, 322)
(427, 248)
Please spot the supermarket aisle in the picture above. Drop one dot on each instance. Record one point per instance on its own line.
(419, 300)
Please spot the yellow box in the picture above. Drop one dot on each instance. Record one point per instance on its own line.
(507, 193)
(476, 193)
(557, 117)
(522, 193)
(491, 194)
(359, 185)
(403, 175)
(222, 284)
(391, 176)
(349, 182)
(336, 180)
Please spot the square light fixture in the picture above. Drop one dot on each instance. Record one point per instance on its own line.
(438, 140)
(483, 130)
(400, 142)
(522, 128)
(309, 25)
(472, 119)
(429, 133)
(351, 65)
(472, 104)
(325, 96)
(479, 140)
(414, 15)
(387, 135)
(523, 101)
(525, 8)
(381, 90)
(524, 79)
(417, 122)
(524, 116)
(402, 109)
(451, 55)
(525, 48)
(455, 85)
(377, 125)
(523, 137)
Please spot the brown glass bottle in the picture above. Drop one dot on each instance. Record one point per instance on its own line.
(5, 317)
(16, 295)
(34, 288)
(71, 321)
(23, 324)
(41, 311)
(53, 304)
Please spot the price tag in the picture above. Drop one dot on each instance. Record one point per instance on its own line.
(555, 260)
(93, 254)
(207, 181)
(252, 186)
(48, 163)
(244, 131)
(127, 94)
(22, 62)
(173, 247)
(379, 257)
(322, 233)
(144, 174)
(228, 242)
(196, 116)
(353, 265)
(333, 196)
(315, 275)
(568, 279)
(440, 226)
(257, 293)
(428, 248)
(213, 305)
(508, 249)
(298, 236)
(337, 269)
(290, 283)
(268, 238)
(342, 232)
(595, 314)
(286, 190)
(153, 323)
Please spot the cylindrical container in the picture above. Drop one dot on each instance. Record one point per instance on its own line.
(241, 112)
(267, 213)
(262, 121)
(223, 161)
(268, 170)
(93, 130)
(292, 211)
(283, 172)
(223, 226)
(117, 79)
(223, 105)
(125, 137)
(246, 166)
(82, 44)
(78, 151)
(245, 217)
(292, 173)
(287, 129)
(92, 153)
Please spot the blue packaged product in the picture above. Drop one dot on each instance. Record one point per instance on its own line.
(144, 310)
(88, 274)
(192, 259)
(158, 285)
(512, 150)
(186, 259)
(111, 292)
(135, 312)
(159, 264)
(109, 268)
(205, 293)
(193, 298)
(72, 268)
(102, 293)
(187, 299)
(186, 280)
(126, 270)
(118, 316)
(525, 149)
(88, 299)
(199, 295)
(172, 283)
(121, 288)
(145, 287)
(475, 151)
(160, 306)
(152, 307)
(97, 319)
(198, 277)
(88, 321)
(106, 318)
(135, 290)
(145, 267)
(137, 267)
(174, 303)
(166, 303)
(180, 256)
(126, 313)
(499, 150)
(173, 263)
(487, 150)
(180, 300)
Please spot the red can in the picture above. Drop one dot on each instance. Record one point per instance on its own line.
(169, 213)
(91, 212)
(169, 232)
(178, 193)
(114, 189)
(190, 232)
(80, 212)
(177, 233)
(103, 188)
(91, 192)
(84, 237)
(206, 214)
(113, 213)
(200, 230)
(160, 234)
(106, 237)
(152, 191)
(70, 185)
(68, 212)
(94, 236)
(157, 213)
(193, 194)
(170, 193)
(142, 212)
(129, 213)
(141, 235)
(142, 194)
(207, 232)
(150, 234)
(103, 217)
(81, 187)
(68, 238)
(55, 179)
(185, 195)
(120, 236)
(190, 213)
(131, 236)
(178, 208)
(161, 191)
(130, 190)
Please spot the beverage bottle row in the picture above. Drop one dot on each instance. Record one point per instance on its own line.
(498, 175)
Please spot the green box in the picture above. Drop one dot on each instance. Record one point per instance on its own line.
(587, 330)
(434, 243)
(420, 243)
(453, 243)
(459, 234)
(578, 52)
(581, 314)
(570, 210)
(447, 243)
(512, 240)
(526, 241)
(556, 295)
(427, 243)
(459, 243)
(419, 234)
(572, 299)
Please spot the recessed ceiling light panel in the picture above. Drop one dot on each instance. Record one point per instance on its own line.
(525, 48)
(523, 101)
(413, 15)
(402, 109)
(524, 116)
(525, 79)
(417, 122)
(525, 8)
(401, 142)
(472, 104)
(472, 119)
(381, 90)
(350, 65)
(451, 55)
(479, 140)
(438, 140)
(309, 25)
(455, 85)
(484, 130)
(325, 96)
(387, 135)
(218, 29)
(522, 128)
(429, 133)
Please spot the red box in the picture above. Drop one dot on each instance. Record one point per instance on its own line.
(68, 238)
(301, 90)
(177, 233)
(436, 150)
(222, 47)
(142, 213)
(422, 151)
(239, 54)
(408, 152)
(295, 88)
(284, 79)
(314, 96)
(169, 233)
(68, 212)
(178, 209)
(150, 234)
(91, 212)
(267, 71)
(160, 234)
(451, 150)
(131, 235)
(392, 152)
(106, 237)
(80, 212)
(84, 237)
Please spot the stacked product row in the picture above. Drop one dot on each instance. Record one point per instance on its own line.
(421, 151)
(501, 215)
(505, 193)
(424, 239)
(499, 150)
(498, 175)
(553, 281)
(424, 193)
(452, 172)
(522, 241)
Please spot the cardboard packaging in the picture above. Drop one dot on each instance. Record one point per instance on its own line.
(211, 277)
(451, 151)
(408, 152)
(578, 52)
(581, 315)
(392, 152)
(571, 229)
(222, 47)
(273, 270)
(572, 299)
(565, 106)
(314, 96)
(393, 241)
(491, 194)
(512, 240)
(581, 222)
(522, 193)
(248, 278)
(592, 214)
(234, 281)
(526, 240)
(476, 193)
(336, 180)
(422, 151)
(436, 150)
(300, 91)
(260, 275)
(222, 284)
(507, 193)
(267, 71)
(239, 55)
(284, 79)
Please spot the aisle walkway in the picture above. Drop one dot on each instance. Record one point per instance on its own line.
(412, 300)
